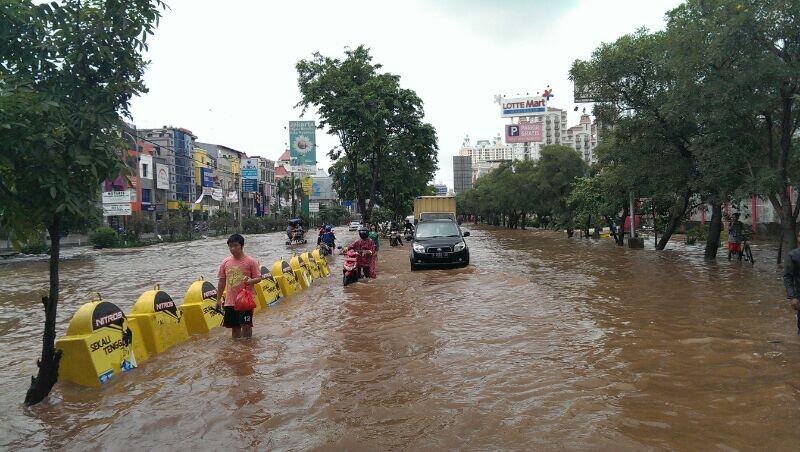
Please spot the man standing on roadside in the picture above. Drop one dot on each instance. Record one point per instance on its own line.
(791, 279)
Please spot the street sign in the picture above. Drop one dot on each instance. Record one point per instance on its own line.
(313, 207)
(249, 185)
(116, 197)
(112, 210)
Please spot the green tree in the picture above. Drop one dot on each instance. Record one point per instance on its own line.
(375, 120)
(67, 73)
(637, 89)
(749, 72)
(557, 170)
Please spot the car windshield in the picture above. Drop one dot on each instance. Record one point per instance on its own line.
(437, 229)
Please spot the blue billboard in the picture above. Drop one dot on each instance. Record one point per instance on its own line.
(207, 177)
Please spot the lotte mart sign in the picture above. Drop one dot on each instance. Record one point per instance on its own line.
(522, 106)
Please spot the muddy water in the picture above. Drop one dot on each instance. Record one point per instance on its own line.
(542, 343)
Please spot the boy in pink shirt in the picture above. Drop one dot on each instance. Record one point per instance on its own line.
(237, 272)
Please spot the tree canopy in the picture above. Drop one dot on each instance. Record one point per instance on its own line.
(387, 154)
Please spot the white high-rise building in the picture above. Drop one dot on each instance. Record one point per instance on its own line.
(583, 138)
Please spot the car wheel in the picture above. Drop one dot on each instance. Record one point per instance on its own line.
(414, 267)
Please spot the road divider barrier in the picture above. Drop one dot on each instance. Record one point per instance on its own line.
(321, 262)
(267, 291)
(101, 341)
(199, 307)
(287, 281)
(311, 266)
(300, 271)
(160, 320)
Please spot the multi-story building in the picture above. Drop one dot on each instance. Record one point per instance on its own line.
(462, 173)
(226, 173)
(266, 183)
(175, 146)
(486, 155)
(583, 137)
(322, 191)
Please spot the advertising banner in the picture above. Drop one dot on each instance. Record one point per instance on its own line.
(146, 166)
(162, 177)
(250, 169)
(307, 182)
(249, 185)
(522, 106)
(233, 197)
(313, 207)
(116, 197)
(207, 177)
(303, 144)
(112, 210)
(216, 194)
(523, 132)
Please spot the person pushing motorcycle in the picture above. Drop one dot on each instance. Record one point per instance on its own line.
(366, 250)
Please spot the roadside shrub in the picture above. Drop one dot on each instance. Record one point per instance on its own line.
(697, 233)
(103, 237)
(252, 225)
(34, 248)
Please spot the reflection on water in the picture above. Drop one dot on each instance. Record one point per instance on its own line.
(542, 343)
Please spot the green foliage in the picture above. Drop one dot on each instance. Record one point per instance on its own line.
(34, 248)
(104, 237)
(139, 224)
(335, 215)
(386, 153)
(696, 233)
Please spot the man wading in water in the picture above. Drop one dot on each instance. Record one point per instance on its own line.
(238, 272)
(791, 279)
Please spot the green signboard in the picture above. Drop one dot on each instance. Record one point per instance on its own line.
(303, 144)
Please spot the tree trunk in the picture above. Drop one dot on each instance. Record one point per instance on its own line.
(588, 225)
(675, 219)
(50, 359)
(788, 235)
(570, 232)
(714, 230)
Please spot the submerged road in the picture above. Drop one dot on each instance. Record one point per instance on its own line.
(542, 343)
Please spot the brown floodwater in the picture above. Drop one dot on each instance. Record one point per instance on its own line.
(542, 343)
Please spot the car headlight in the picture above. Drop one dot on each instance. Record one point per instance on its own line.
(459, 246)
(419, 248)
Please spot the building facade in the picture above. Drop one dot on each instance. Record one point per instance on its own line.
(176, 147)
(462, 173)
(583, 137)
(441, 189)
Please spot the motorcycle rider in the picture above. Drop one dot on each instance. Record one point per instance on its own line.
(366, 250)
(408, 228)
(328, 237)
(394, 227)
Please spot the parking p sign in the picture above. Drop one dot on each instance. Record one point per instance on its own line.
(523, 132)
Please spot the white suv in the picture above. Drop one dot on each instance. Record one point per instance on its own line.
(354, 225)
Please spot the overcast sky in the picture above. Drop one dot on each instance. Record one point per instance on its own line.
(226, 70)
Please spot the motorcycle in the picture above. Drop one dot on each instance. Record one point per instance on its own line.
(409, 235)
(350, 270)
(394, 238)
(324, 249)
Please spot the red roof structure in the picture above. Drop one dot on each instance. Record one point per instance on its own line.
(280, 172)
(285, 157)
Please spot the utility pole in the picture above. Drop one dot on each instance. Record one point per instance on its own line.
(239, 194)
(293, 202)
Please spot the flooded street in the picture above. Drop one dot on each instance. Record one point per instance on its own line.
(541, 343)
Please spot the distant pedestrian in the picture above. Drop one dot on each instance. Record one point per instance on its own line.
(735, 236)
(238, 272)
(791, 279)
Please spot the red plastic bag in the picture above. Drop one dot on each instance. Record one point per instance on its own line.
(244, 301)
